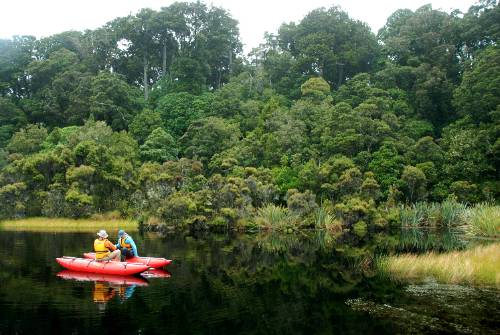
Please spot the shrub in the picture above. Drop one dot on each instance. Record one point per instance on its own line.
(360, 228)
(354, 210)
(80, 204)
(218, 223)
(177, 209)
(301, 204)
(13, 197)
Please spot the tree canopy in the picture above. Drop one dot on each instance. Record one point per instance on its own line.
(159, 114)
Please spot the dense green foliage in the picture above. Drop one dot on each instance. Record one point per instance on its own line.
(326, 124)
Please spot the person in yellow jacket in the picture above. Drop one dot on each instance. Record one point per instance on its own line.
(104, 249)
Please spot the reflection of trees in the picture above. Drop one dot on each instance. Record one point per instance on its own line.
(269, 283)
(265, 283)
(422, 240)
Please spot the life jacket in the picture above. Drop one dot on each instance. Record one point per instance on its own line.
(100, 249)
(125, 245)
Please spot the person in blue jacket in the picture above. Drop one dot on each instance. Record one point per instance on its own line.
(127, 245)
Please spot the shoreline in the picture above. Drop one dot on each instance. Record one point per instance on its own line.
(39, 224)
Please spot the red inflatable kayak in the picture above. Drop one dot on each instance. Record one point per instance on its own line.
(151, 262)
(100, 277)
(104, 267)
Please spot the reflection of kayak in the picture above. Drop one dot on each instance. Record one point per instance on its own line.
(104, 267)
(156, 273)
(99, 277)
(152, 262)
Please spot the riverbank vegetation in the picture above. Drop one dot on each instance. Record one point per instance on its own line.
(480, 219)
(68, 225)
(479, 265)
(484, 220)
(167, 122)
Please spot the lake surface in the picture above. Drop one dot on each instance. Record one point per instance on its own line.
(234, 284)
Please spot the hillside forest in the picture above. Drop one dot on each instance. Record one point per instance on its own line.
(160, 116)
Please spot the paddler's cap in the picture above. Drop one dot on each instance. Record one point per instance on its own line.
(121, 232)
(102, 233)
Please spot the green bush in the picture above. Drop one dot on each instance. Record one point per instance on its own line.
(80, 203)
(354, 210)
(177, 209)
(301, 204)
(360, 228)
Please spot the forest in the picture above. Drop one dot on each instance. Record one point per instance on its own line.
(159, 116)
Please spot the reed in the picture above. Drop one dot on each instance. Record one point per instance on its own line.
(479, 266)
(413, 216)
(67, 225)
(452, 213)
(448, 214)
(325, 219)
(484, 220)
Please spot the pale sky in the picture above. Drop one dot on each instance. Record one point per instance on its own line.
(44, 18)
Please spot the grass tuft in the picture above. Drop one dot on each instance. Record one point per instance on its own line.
(484, 220)
(451, 213)
(275, 217)
(479, 266)
(325, 219)
(448, 214)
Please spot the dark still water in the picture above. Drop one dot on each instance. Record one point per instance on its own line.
(220, 284)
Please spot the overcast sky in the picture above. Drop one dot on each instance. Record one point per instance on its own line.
(44, 18)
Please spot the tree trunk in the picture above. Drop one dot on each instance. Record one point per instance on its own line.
(164, 59)
(145, 82)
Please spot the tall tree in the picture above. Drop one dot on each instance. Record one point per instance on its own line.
(137, 35)
(479, 93)
(15, 55)
(330, 44)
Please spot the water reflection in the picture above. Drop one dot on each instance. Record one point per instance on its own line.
(96, 277)
(225, 284)
(102, 293)
(106, 287)
(431, 307)
(422, 240)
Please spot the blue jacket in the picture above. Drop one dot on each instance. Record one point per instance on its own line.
(130, 241)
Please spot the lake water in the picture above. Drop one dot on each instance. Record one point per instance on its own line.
(232, 284)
